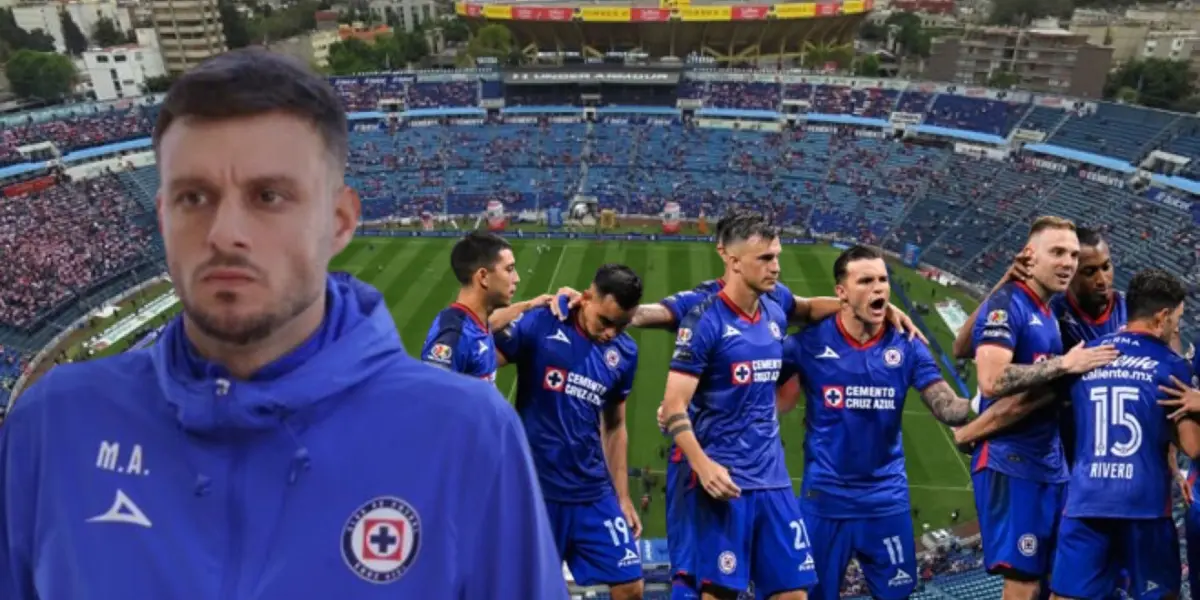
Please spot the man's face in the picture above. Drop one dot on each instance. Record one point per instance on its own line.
(501, 281)
(1094, 279)
(602, 318)
(1171, 332)
(1055, 254)
(866, 289)
(251, 211)
(756, 260)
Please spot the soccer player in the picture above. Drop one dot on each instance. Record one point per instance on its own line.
(243, 455)
(572, 382)
(1019, 474)
(1118, 508)
(460, 338)
(856, 371)
(728, 353)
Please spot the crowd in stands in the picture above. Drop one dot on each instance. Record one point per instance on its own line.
(57, 242)
(967, 215)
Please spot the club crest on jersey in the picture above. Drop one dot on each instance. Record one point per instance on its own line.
(611, 358)
(774, 327)
(742, 372)
(892, 357)
(381, 539)
(727, 562)
(997, 317)
(684, 336)
(441, 352)
(1027, 544)
(834, 395)
(554, 379)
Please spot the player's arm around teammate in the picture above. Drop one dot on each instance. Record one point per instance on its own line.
(1018, 271)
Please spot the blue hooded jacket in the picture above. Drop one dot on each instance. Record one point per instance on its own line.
(344, 470)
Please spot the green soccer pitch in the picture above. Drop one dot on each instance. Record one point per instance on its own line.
(414, 275)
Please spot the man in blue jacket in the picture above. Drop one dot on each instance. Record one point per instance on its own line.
(277, 442)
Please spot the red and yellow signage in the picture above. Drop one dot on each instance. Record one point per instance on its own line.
(671, 10)
(605, 15)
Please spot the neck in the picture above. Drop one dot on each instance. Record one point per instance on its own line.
(1039, 290)
(1143, 328)
(474, 300)
(244, 360)
(857, 328)
(1093, 309)
(741, 295)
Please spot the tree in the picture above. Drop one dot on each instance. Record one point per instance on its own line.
(868, 66)
(911, 39)
(352, 56)
(73, 38)
(1156, 82)
(40, 75)
(40, 41)
(494, 41)
(1022, 12)
(237, 35)
(157, 85)
(105, 33)
(454, 30)
(1003, 79)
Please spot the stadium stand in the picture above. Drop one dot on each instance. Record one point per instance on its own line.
(68, 246)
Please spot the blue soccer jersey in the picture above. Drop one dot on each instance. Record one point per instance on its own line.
(681, 303)
(1121, 468)
(1076, 326)
(459, 340)
(1016, 319)
(565, 381)
(855, 488)
(853, 455)
(737, 358)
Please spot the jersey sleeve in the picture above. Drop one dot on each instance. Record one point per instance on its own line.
(513, 339)
(625, 387)
(680, 304)
(997, 324)
(512, 515)
(783, 296)
(694, 343)
(791, 357)
(925, 370)
(441, 347)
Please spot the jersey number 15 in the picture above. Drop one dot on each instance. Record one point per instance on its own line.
(1110, 414)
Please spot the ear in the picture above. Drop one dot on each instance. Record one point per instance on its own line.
(481, 277)
(347, 208)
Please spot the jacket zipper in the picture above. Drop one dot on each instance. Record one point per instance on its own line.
(233, 507)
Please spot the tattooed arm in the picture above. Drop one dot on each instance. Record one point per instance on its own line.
(1002, 414)
(945, 405)
(998, 377)
(654, 316)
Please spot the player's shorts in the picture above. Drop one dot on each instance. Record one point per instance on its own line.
(595, 541)
(883, 545)
(681, 529)
(759, 536)
(1192, 531)
(1091, 553)
(1018, 519)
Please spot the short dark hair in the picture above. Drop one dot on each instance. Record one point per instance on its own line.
(1152, 290)
(746, 225)
(851, 254)
(727, 218)
(477, 250)
(620, 282)
(252, 81)
(1089, 237)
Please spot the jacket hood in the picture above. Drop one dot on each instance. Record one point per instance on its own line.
(356, 339)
